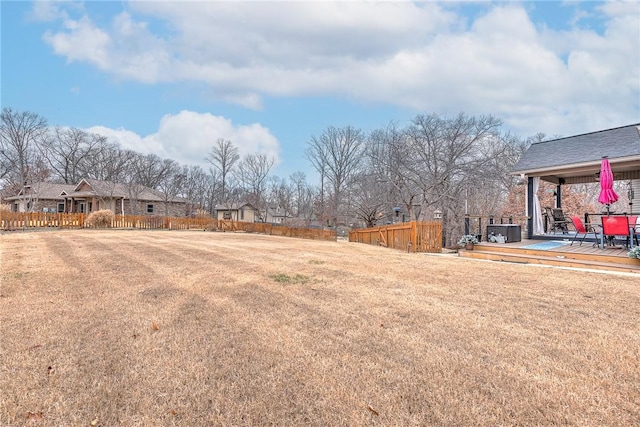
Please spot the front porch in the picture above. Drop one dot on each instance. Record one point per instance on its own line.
(557, 252)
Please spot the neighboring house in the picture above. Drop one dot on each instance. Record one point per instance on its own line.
(276, 215)
(91, 195)
(244, 212)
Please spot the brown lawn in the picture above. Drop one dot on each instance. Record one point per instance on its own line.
(157, 328)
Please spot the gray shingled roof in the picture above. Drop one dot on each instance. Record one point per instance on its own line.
(112, 189)
(44, 190)
(622, 142)
(233, 206)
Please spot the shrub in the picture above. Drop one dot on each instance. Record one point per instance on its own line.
(468, 238)
(100, 219)
(634, 253)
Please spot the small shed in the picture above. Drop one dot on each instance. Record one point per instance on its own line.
(575, 160)
(242, 211)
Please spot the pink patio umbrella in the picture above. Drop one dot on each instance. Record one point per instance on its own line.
(607, 195)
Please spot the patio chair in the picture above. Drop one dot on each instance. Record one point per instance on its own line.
(584, 229)
(615, 226)
(558, 222)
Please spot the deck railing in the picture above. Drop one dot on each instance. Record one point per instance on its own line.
(27, 220)
(476, 224)
(422, 236)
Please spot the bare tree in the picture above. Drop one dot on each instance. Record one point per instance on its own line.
(445, 154)
(304, 197)
(368, 198)
(252, 173)
(223, 156)
(336, 153)
(317, 155)
(299, 182)
(171, 184)
(68, 149)
(109, 162)
(387, 157)
(197, 188)
(150, 170)
(307, 205)
(212, 189)
(281, 193)
(20, 132)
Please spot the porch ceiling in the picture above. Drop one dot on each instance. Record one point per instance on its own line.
(623, 169)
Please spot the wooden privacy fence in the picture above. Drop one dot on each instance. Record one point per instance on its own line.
(281, 230)
(20, 220)
(24, 220)
(423, 236)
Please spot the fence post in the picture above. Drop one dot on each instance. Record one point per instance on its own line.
(414, 236)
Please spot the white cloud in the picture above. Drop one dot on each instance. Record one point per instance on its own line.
(82, 41)
(425, 56)
(188, 136)
(127, 49)
(44, 11)
(51, 10)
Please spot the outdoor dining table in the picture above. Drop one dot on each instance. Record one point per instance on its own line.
(632, 227)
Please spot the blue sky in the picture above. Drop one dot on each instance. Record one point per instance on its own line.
(172, 77)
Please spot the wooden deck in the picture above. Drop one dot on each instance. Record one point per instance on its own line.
(557, 253)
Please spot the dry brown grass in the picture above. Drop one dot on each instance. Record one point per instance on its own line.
(192, 328)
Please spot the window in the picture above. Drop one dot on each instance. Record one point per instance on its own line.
(241, 213)
(227, 215)
(150, 208)
(61, 207)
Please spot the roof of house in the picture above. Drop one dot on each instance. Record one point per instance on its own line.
(617, 143)
(112, 190)
(276, 211)
(43, 190)
(233, 206)
(118, 190)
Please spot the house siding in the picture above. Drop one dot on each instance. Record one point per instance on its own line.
(173, 209)
(236, 214)
(36, 205)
